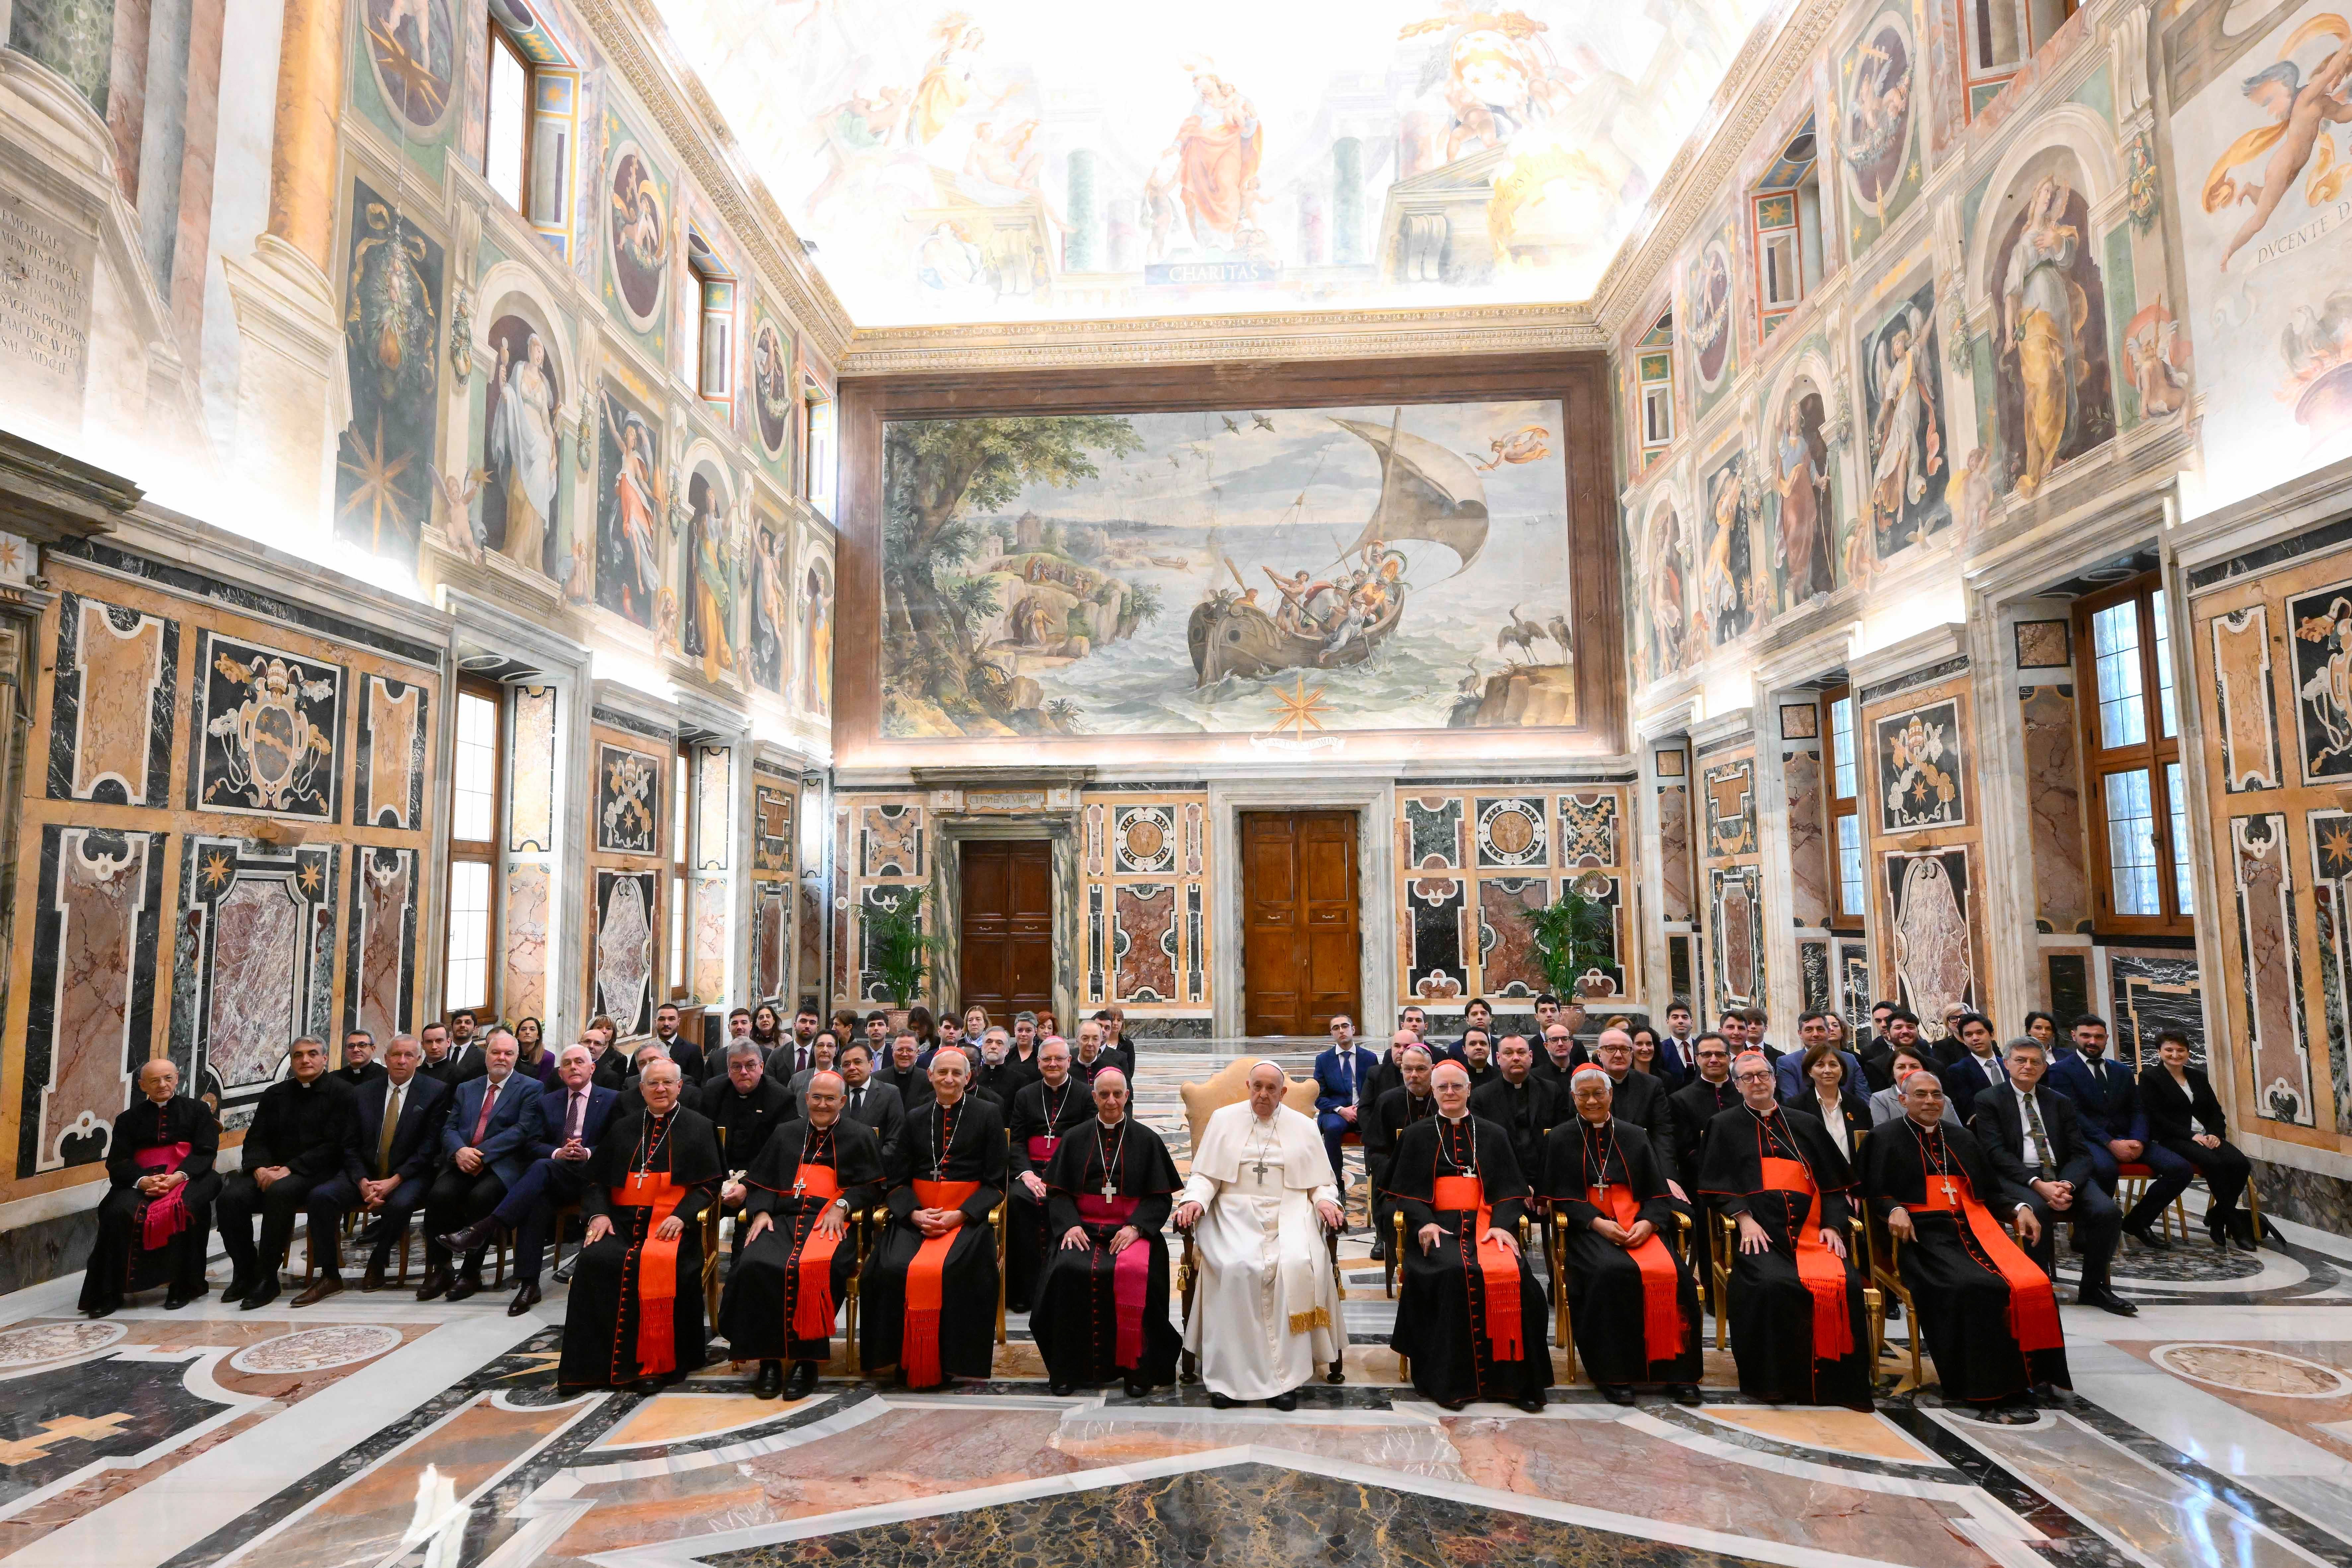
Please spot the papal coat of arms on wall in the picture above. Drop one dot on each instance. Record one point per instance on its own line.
(267, 731)
(628, 800)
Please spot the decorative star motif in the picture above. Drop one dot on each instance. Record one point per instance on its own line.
(1300, 709)
(216, 870)
(2337, 844)
(378, 490)
(309, 878)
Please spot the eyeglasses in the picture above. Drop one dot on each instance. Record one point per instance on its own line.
(1752, 1075)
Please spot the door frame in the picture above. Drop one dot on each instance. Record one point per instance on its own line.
(1053, 892)
(1373, 800)
(944, 916)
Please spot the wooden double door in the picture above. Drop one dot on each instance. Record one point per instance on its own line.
(1301, 951)
(1007, 931)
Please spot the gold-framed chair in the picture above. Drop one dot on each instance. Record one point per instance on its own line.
(1396, 1249)
(711, 1214)
(1874, 1303)
(1555, 1250)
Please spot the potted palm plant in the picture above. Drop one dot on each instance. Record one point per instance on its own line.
(901, 949)
(1575, 939)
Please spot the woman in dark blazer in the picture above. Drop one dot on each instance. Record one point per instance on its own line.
(2178, 1100)
(1827, 1095)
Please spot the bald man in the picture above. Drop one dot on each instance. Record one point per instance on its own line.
(155, 1218)
(1102, 1310)
(929, 1289)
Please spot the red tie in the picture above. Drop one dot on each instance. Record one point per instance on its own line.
(482, 1122)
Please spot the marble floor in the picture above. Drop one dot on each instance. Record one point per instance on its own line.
(2214, 1428)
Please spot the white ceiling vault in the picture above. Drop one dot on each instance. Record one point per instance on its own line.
(1001, 162)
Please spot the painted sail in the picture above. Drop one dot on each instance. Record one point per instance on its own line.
(1428, 494)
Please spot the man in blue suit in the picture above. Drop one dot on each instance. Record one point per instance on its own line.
(560, 1131)
(2115, 1127)
(1787, 1073)
(1341, 1071)
(401, 1111)
(482, 1155)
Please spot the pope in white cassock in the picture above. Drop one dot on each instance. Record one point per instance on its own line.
(1266, 1309)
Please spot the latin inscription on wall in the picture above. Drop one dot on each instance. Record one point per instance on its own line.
(45, 272)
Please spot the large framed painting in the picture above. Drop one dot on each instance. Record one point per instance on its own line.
(1269, 574)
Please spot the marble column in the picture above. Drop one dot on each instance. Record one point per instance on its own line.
(302, 157)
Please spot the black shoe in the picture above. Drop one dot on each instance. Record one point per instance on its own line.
(97, 1311)
(1532, 1402)
(1894, 1310)
(646, 1385)
(525, 1298)
(261, 1295)
(1137, 1388)
(1220, 1400)
(563, 1269)
(1060, 1390)
(1684, 1392)
(770, 1382)
(1380, 1251)
(2105, 1300)
(371, 1277)
(1287, 1400)
(175, 1299)
(240, 1286)
(1454, 1404)
(1013, 1305)
(2010, 1414)
(801, 1382)
(467, 1285)
(2146, 1236)
(1617, 1393)
(472, 1240)
(326, 1285)
(433, 1286)
(2046, 1395)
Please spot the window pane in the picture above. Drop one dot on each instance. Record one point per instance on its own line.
(1841, 747)
(2115, 644)
(677, 931)
(2164, 668)
(473, 802)
(2184, 883)
(469, 934)
(2131, 843)
(678, 815)
(502, 158)
(1849, 854)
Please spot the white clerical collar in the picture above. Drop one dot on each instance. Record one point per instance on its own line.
(1463, 1117)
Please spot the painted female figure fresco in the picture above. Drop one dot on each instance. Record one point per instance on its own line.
(2053, 338)
(521, 450)
(628, 567)
(1801, 478)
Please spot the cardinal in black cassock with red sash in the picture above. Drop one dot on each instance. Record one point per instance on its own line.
(1633, 1300)
(1798, 1329)
(1470, 1315)
(1102, 1309)
(793, 1274)
(929, 1294)
(151, 1229)
(1989, 1314)
(634, 1317)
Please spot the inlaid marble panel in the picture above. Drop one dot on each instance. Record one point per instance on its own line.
(2330, 836)
(711, 901)
(111, 703)
(1588, 831)
(626, 908)
(1143, 839)
(811, 925)
(1511, 831)
(1809, 865)
(1730, 796)
(2044, 645)
(1432, 829)
(2322, 650)
(714, 807)
(1674, 853)
(772, 828)
(2271, 969)
(2053, 796)
(2242, 680)
(628, 800)
(1920, 768)
(380, 967)
(1436, 909)
(1735, 936)
(890, 841)
(1928, 896)
(1854, 992)
(254, 966)
(268, 731)
(1144, 928)
(870, 986)
(1508, 963)
(90, 1010)
(527, 914)
(1813, 976)
(770, 938)
(2153, 990)
(388, 782)
(530, 751)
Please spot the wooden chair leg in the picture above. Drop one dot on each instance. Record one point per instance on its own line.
(996, 1220)
(2255, 1210)
(1339, 1370)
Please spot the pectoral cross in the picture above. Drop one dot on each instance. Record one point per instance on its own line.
(1951, 1196)
(800, 1185)
(1260, 1166)
(1107, 1185)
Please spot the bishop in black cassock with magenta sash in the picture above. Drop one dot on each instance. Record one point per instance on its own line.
(1043, 1110)
(635, 1311)
(794, 1273)
(1799, 1331)
(152, 1230)
(929, 1289)
(1469, 1312)
(1632, 1302)
(1102, 1309)
(1989, 1313)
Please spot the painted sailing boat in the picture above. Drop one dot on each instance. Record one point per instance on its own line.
(1428, 496)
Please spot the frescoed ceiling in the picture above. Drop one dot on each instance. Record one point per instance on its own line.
(1002, 161)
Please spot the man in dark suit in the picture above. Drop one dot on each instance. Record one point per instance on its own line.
(482, 1155)
(1342, 1069)
(396, 1137)
(2114, 1123)
(359, 1059)
(1557, 1054)
(1396, 1109)
(1476, 1014)
(1971, 1047)
(1698, 1103)
(1674, 1060)
(902, 1073)
(746, 1106)
(451, 1064)
(1787, 1080)
(876, 1105)
(559, 1129)
(676, 1046)
(2034, 1141)
(301, 1137)
(1517, 1102)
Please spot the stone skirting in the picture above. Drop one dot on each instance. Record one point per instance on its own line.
(2307, 1197)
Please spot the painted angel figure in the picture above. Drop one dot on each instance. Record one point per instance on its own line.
(2300, 113)
(1908, 437)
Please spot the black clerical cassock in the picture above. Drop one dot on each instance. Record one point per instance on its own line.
(143, 1242)
(790, 1280)
(1989, 1313)
(1469, 1314)
(1100, 1316)
(635, 1310)
(1039, 1117)
(1798, 1328)
(1635, 1311)
(952, 1157)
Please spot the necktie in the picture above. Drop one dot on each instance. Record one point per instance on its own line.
(579, 1114)
(2099, 1074)
(384, 1141)
(858, 1100)
(490, 1099)
(2034, 1130)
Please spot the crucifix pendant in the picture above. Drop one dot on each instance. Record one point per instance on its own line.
(1949, 1196)
(1260, 1167)
(1106, 1187)
(799, 1186)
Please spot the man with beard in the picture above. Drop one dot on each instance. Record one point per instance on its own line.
(931, 1286)
(1102, 1308)
(1042, 1112)
(785, 1288)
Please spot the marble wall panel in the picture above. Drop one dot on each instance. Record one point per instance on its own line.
(1143, 839)
(1431, 828)
(388, 777)
(1736, 935)
(530, 767)
(2053, 796)
(113, 704)
(810, 924)
(2322, 649)
(1855, 991)
(254, 965)
(709, 939)
(1813, 979)
(1511, 832)
(90, 1008)
(268, 739)
(772, 828)
(2243, 695)
(529, 890)
(2152, 990)
(875, 900)
(2069, 970)
(1508, 962)
(1589, 831)
(1729, 789)
(2330, 834)
(1436, 911)
(1144, 941)
(1920, 768)
(1933, 953)
(890, 841)
(379, 963)
(628, 800)
(714, 807)
(2044, 645)
(2272, 972)
(772, 924)
(1675, 876)
(623, 952)
(1809, 865)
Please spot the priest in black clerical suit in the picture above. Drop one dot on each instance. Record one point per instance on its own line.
(1798, 1328)
(1632, 1302)
(634, 1317)
(156, 1217)
(1044, 1108)
(1469, 1312)
(929, 1287)
(1522, 1104)
(781, 1295)
(1989, 1314)
(1395, 1109)
(1102, 1307)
